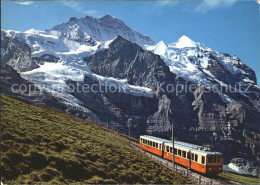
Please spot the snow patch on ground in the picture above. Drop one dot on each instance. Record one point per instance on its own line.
(232, 167)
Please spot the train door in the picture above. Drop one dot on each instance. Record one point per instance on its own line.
(163, 150)
(189, 158)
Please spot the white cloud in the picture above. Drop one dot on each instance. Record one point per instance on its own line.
(76, 6)
(168, 3)
(207, 5)
(24, 3)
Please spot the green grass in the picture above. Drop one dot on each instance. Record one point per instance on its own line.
(243, 179)
(41, 144)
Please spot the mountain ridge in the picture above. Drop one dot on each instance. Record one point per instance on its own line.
(74, 53)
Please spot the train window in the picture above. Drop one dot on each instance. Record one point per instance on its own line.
(203, 160)
(170, 149)
(188, 155)
(149, 143)
(219, 159)
(184, 154)
(156, 145)
(192, 157)
(167, 148)
(175, 151)
(153, 144)
(215, 159)
(160, 146)
(179, 152)
(196, 157)
(210, 159)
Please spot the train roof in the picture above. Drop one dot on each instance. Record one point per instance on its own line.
(183, 145)
(193, 148)
(155, 139)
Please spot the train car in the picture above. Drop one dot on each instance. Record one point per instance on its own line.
(192, 156)
(152, 144)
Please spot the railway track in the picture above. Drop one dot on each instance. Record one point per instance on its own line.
(199, 178)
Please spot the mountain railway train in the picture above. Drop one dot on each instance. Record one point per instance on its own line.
(189, 155)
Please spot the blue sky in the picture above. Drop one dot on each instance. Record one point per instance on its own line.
(228, 26)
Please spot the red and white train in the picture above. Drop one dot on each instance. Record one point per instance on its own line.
(186, 154)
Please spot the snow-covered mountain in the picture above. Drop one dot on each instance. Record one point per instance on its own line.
(191, 60)
(69, 43)
(78, 38)
(106, 51)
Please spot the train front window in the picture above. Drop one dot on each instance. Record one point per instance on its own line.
(219, 159)
(196, 157)
(215, 159)
(203, 160)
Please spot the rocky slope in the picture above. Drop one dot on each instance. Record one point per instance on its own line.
(222, 108)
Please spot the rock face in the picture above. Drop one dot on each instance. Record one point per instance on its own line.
(18, 55)
(184, 83)
(199, 115)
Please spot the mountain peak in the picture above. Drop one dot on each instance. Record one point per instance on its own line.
(111, 19)
(108, 17)
(184, 42)
(73, 19)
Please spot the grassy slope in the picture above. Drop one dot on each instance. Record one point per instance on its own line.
(229, 177)
(41, 144)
